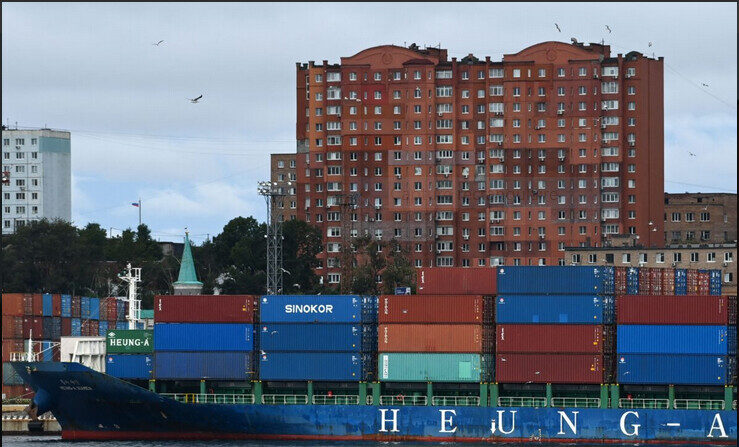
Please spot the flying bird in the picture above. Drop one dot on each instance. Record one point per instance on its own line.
(195, 100)
(704, 85)
(691, 154)
(557, 26)
(158, 43)
(608, 28)
(650, 44)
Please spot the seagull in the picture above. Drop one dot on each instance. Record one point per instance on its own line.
(704, 85)
(608, 28)
(557, 26)
(195, 100)
(158, 43)
(691, 154)
(650, 44)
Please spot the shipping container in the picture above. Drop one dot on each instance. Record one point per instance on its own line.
(12, 304)
(56, 328)
(76, 327)
(655, 281)
(18, 391)
(672, 310)
(429, 338)
(103, 310)
(672, 339)
(310, 337)
(668, 281)
(129, 366)
(37, 305)
(66, 327)
(204, 308)
(112, 305)
(66, 301)
(426, 367)
(310, 309)
(47, 308)
(691, 279)
(122, 310)
(431, 309)
(674, 369)
(619, 282)
(204, 365)
(47, 351)
(456, 281)
(10, 346)
(316, 366)
(12, 326)
(632, 281)
(76, 307)
(10, 377)
(549, 368)
(46, 323)
(203, 337)
(567, 280)
(549, 338)
(715, 282)
(645, 281)
(90, 308)
(120, 325)
(94, 328)
(572, 309)
(56, 305)
(33, 327)
(103, 328)
(129, 341)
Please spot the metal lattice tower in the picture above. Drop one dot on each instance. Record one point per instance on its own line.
(271, 191)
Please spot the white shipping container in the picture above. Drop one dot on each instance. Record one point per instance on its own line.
(89, 351)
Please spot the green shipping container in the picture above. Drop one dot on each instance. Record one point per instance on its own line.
(129, 341)
(423, 367)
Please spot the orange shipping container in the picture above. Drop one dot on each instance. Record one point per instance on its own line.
(12, 327)
(12, 304)
(429, 338)
(11, 346)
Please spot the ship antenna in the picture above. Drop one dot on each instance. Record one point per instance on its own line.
(132, 276)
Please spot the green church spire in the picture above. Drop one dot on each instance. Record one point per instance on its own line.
(188, 279)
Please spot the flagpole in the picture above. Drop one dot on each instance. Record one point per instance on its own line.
(139, 211)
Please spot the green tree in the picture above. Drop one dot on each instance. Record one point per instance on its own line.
(399, 271)
(301, 243)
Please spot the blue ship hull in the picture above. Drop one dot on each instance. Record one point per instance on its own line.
(90, 405)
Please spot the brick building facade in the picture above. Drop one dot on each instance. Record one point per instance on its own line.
(704, 218)
(283, 174)
(476, 162)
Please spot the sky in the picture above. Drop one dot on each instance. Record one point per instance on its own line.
(92, 69)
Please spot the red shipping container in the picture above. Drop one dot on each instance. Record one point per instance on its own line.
(94, 327)
(655, 277)
(429, 338)
(56, 305)
(103, 315)
(38, 305)
(549, 338)
(620, 280)
(9, 346)
(204, 308)
(66, 327)
(668, 281)
(35, 324)
(76, 307)
(28, 304)
(456, 281)
(12, 327)
(686, 309)
(549, 368)
(12, 304)
(645, 281)
(431, 309)
(17, 391)
(109, 309)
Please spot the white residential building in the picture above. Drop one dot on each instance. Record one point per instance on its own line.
(37, 176)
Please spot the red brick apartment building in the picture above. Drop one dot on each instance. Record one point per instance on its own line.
(477, 162)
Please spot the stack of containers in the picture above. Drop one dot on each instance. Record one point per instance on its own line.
(315, 337)
(129, 354)
(675, 340)
(552, 324)
(439, 338)
(203, 337)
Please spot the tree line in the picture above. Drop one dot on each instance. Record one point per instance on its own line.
(57, 257)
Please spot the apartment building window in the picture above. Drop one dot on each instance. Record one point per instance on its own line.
(677, 257)
(705, 217)
(631, 106)
(631, 90)
(626, 258)
(728, 256)
(694, 256)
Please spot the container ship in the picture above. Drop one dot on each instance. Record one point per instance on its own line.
(507, 354)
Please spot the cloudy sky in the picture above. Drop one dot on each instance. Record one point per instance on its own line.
(92, 69)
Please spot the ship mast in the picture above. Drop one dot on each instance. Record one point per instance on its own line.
(132, 276)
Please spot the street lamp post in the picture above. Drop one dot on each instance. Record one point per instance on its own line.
(270, 191)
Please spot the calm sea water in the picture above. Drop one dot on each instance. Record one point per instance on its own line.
(54, 441)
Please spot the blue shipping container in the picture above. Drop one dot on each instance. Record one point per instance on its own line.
(681, 282)
(47, 351)
(102, 327)
(56, 328)
(85, 307)
(203, 337)
(310, 337)
(715, 285)
(204, 365)
(311, 309)
(76, 327)
(673, 369)
(568, 280)
(67, 306)
(632, 281)
(552, 309)
(121, 325)
(121, 310)
(94, 309)
(671, 339)
(319, 366)
(129, 366)
(47, 307)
